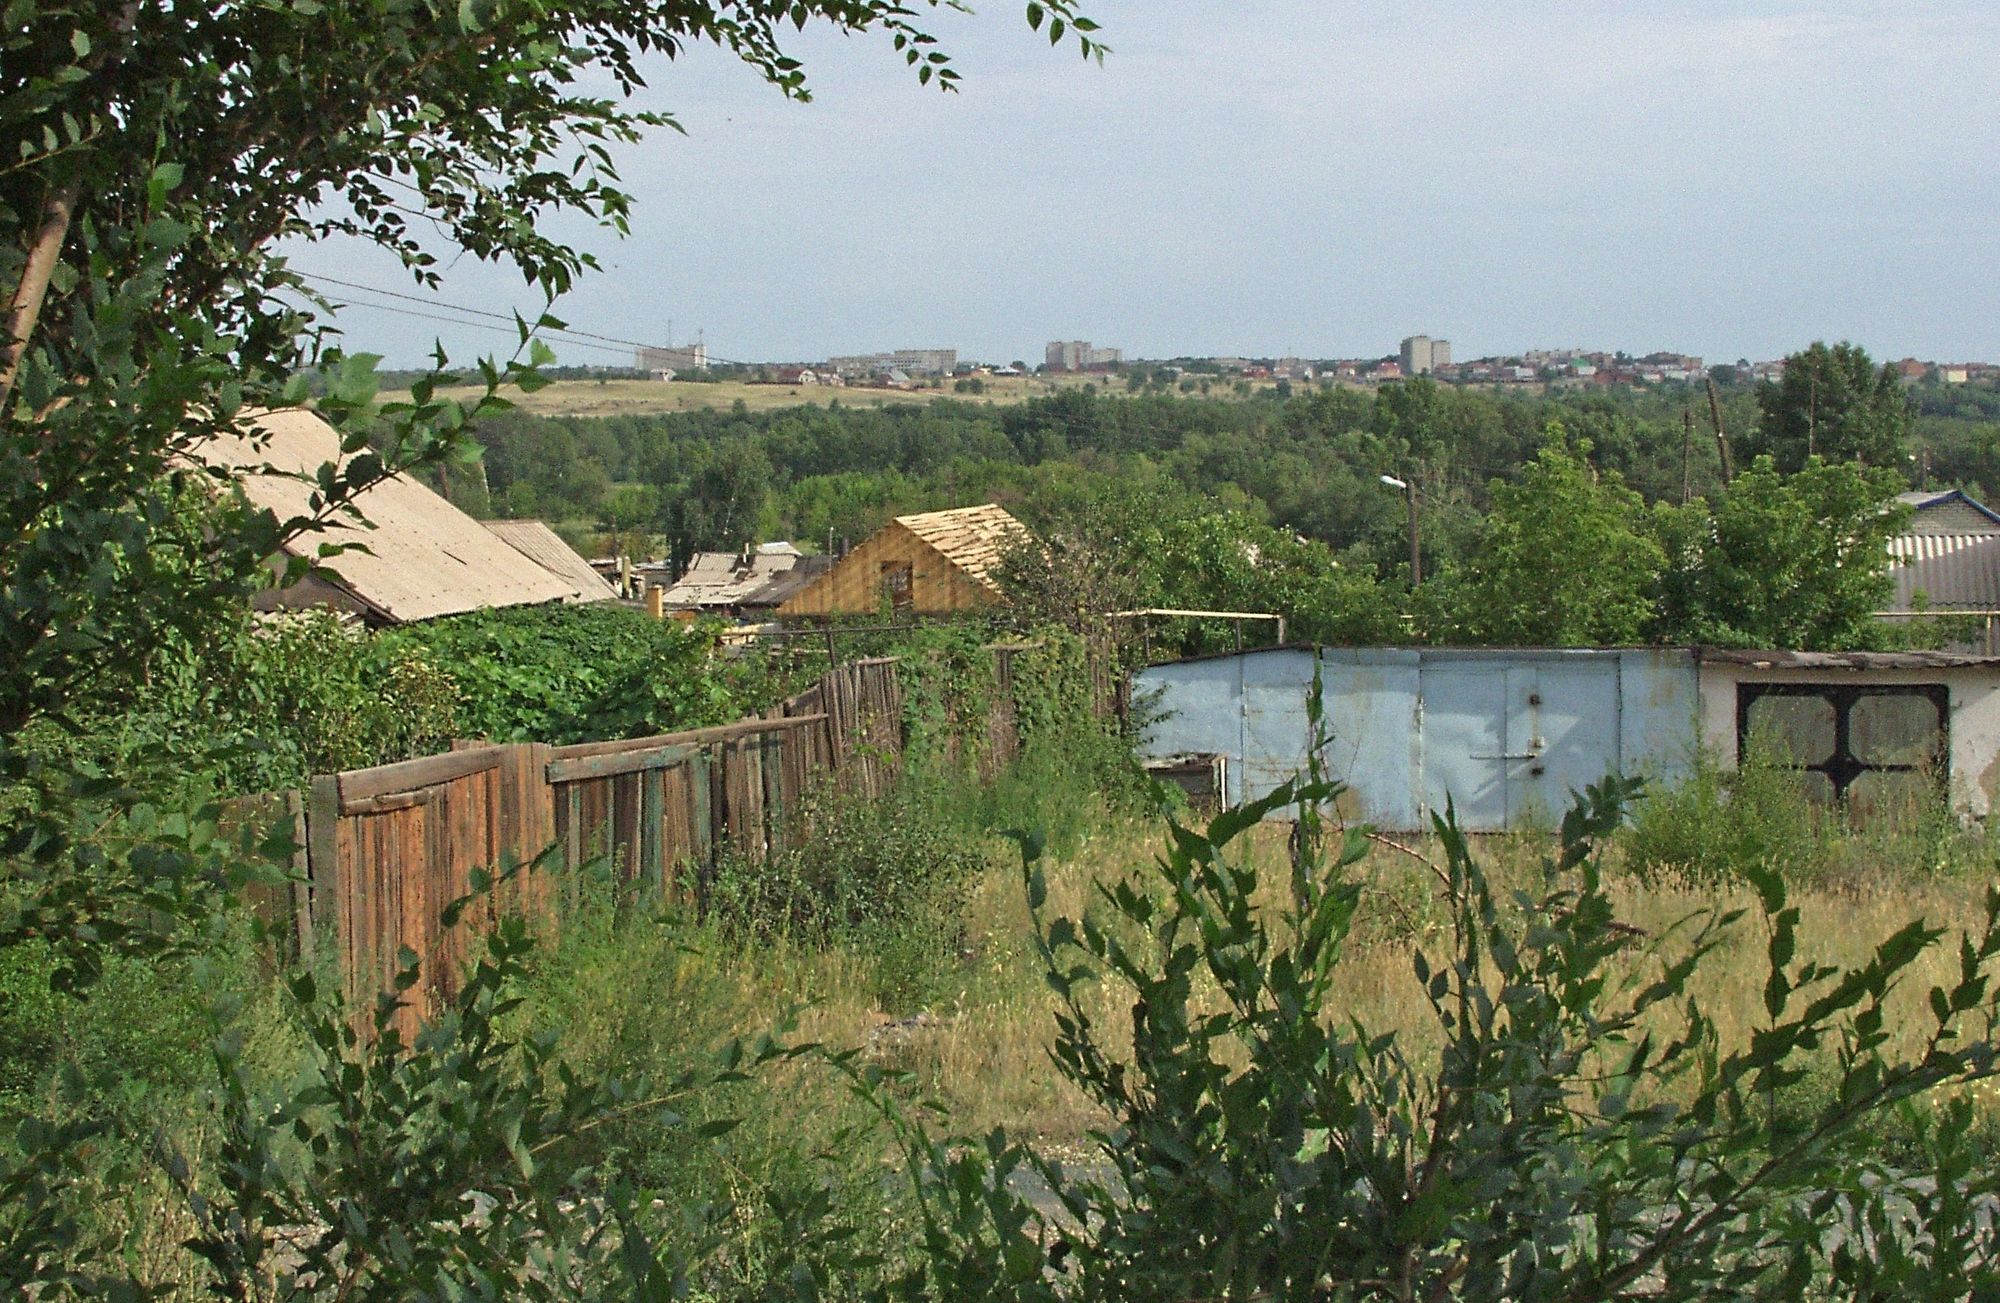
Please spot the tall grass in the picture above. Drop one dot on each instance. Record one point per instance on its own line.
(1717, 824)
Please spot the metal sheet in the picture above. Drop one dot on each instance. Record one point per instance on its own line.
(1508, 734)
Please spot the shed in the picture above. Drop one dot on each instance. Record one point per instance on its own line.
(542, 545)
(1508, 734)
(424, 557)
(934, 563)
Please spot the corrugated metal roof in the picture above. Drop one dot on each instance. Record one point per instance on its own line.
(787, 582)
(1953, 571)
(542, 545)
(971, 538)
(425, 557)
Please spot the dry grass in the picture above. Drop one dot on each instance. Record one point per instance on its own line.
(653, 397)
(985, 1052)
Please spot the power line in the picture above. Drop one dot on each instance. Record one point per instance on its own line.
(434, 302)
(474, 325)
(477, 312)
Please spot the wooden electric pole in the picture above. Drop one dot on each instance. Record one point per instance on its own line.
(1721, 439)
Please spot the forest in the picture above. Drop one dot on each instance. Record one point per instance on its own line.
(1168, 495)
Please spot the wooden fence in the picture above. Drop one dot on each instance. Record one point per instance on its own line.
(386, 849)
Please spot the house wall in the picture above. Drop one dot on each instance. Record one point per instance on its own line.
(854, 585)
(1973, 723)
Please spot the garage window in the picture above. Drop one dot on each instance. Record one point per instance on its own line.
(1869, 747)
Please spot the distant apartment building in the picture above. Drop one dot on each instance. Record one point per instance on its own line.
(1078, 355)
(1421, 355)
(692, 357)
(910, 361)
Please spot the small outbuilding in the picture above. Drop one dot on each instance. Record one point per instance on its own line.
(1948, 563)
(1507, 734)
(933, 563)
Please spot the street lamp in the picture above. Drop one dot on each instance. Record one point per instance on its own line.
(1409, 491)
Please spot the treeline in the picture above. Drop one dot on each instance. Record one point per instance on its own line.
(1262, 493)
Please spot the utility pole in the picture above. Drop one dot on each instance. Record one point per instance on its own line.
(1416, 551)
(1687, 450)
(1409, 490)
(1721, 439)
(1812, 412)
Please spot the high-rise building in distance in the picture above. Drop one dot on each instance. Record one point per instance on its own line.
(1421, 354)
(1078, 355)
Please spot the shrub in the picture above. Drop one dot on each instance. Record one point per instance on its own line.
(882, 878)
(1724, 825)
(1584, 1132)
(585, 673)
(267, 700)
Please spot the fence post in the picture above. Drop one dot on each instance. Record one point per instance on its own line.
(322, 848)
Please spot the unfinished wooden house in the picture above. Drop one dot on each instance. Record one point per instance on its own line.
(934, 563)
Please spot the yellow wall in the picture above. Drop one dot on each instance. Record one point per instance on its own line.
(854, 585)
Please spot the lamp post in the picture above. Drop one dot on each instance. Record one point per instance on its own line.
(1409, 491)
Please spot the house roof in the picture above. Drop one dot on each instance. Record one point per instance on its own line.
(720, 579)
(424, 557)
(971, 538)
(787, 582)
(1953, 571)
(1971, 508)
(542, 545)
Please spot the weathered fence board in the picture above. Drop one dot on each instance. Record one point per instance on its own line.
(386, 849)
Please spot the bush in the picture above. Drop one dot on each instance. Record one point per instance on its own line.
(1721, 825)
(883, 879)
(268, 700)
(1584, 1131)
(588, 673)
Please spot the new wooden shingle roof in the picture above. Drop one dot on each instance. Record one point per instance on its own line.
(971, 538)
(424, 557)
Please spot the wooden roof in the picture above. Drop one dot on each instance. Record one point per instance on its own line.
(971, 538)
(424, 557)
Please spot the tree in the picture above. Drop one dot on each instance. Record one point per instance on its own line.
(1565, 560)
(157, 153)
(1832, 403)
(155, 156)
(1793, 561)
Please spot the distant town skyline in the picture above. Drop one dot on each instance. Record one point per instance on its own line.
(1300, 178)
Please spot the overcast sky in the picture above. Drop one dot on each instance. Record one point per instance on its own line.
(1313, 177)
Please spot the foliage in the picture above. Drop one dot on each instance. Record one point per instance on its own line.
(1139, 544)
(586, 673)
(156, 156)
(885, 879)
(464, 1161)
(266, 701)
(1835, 404)
(1565, 560)
(1583, 1135)
(1718, 827)
(1798, 560)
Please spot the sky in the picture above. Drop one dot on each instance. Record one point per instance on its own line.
(1307, 177)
